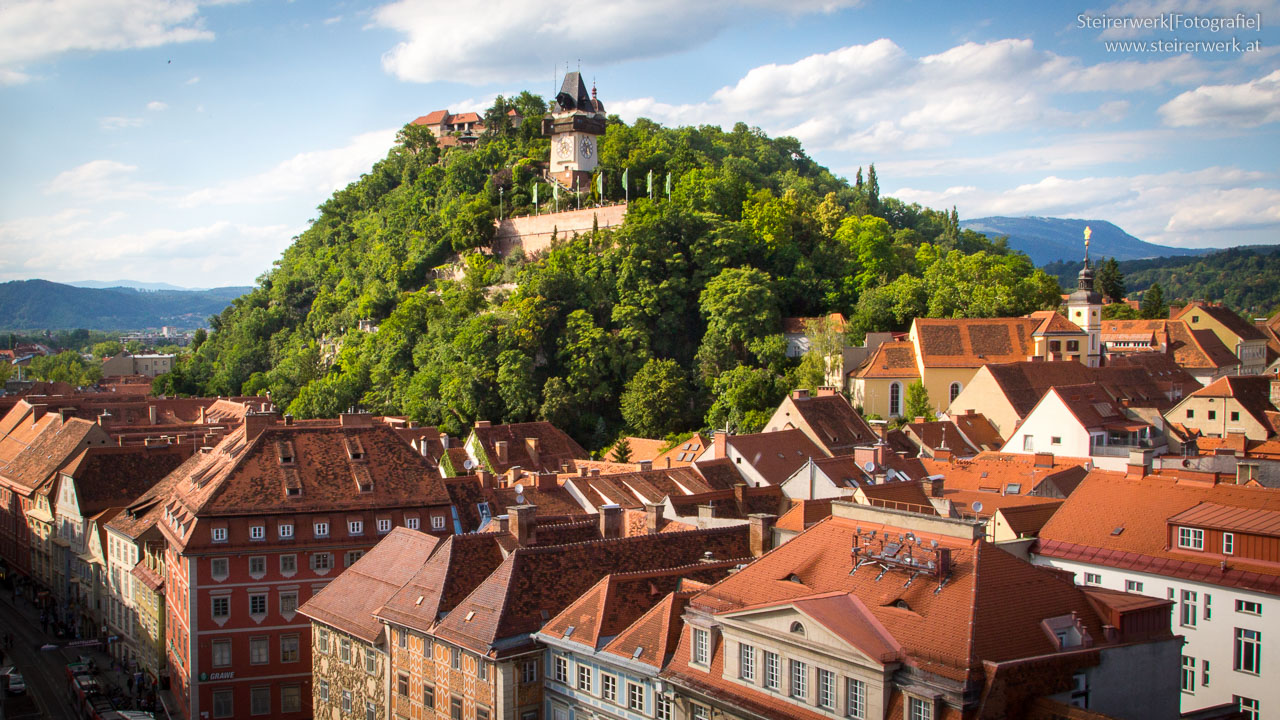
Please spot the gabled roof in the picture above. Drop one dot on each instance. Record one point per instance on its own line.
(1123, 522)
(55, 446)
(834, 424)
(435, 117)
(978, 430)
(844, 615)
(116, 476)
(1199, 349)
(452, 571)
(1231, 321)
(1023, 384)
(973, 342)
(1253, 392)
(803, 514)
(555, 447)
(997, 472)
(349, 602)
(1053, 323)
(1092, 407)
(653, 636)
(1253, 521)
(890, 360)
(775, 455)
(1027, 520)
(933, 434)
(467, 493)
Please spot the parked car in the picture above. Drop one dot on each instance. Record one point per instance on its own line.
(16, 683)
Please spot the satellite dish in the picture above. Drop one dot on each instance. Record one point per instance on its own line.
(520, 488)
(869, 466)
(977, 506)
(519, 499)
(468, 464)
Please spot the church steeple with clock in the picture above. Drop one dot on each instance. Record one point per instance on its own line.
(575, 122)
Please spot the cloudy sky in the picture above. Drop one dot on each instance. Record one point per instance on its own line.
(186, 141)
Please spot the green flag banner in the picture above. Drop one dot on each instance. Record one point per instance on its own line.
(555, 191)
(650, 183)
(600, 185)
(668, 186)
(626, 177)
(535, 193)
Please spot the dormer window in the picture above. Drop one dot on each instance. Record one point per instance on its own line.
(797, 628)
(286, 531)
(219, 534)
(355, 450)
(355, 527)
(1191, 538)
(284, 452)
(257, 532)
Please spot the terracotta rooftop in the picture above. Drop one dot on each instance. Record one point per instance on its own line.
(117, 476)
(933, 433)
(555, 449)
(453, 570)
(1025, 383)
(1006, 473)
(978, 430)
(57, 444)
(891, 360)
(803, 514)
(1052, 322)
(1233, 322)
(973, 342)
(1253, 392)
(652, 638)
(468, 493)
(1027, 520)
(834, 424)
(1254, 521)
(1093, 408)
(641, 449)
(684, 453)
(1122, 522)
(775, 455)
(1199, 349)
(349, 601)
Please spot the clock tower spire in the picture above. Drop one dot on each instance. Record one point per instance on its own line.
(575, 122)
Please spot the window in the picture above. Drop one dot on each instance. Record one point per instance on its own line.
(1235, 416)
(344, 650)
(1248, 706)
(584, 678)
(371, 664)
(635, 697)
(355, 527)
(1191, 538)
(955, 391)
(428, 696)
(222, 706)
(322, 640)
(257, 532)
(352, 556)
(218, 568)
(1028, 442)
(562, 670)
(1208, 606)
(855, 702)
(747, 662)
(1190, 414)
(346, 701)
(291, 698)
(482, 669)
(1228, 543)
(384, 525)
(370, 711)
(699, 712)
(321, 529)
(257, 566)
(402, 638)
(772, 670)
(1204, 674)
(455, 658)
(288, 564)
(437, 522)
(259, 700)
(895, 399)
(1248, 606)
(219, 534)
(402, 684)
(1132, 586)
(799, 679)
(221, 607)
(662, 708)
(1248, 656)
(411, 522)
(1073, 346)
(482, 713)
(1213, 414)
(221, 653)
(1092, 579)
(286, 531)
(288, 648)
(259, 651)
(1188, 675)
(701, 646)
(919, 709)
(826, 689)
(529, 672)
(1189, 613)
(258, 604)
(455, 708)
(324, 690)
(609, 687)
(321, 562)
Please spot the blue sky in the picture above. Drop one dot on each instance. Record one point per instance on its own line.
(186, 141)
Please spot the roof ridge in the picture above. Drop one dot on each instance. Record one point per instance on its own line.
(725, 530)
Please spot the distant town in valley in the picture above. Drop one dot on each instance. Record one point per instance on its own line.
(553, 417)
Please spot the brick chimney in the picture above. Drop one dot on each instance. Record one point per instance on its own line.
(610, 521)
(706, 511)
(653, 517)
(502, 523)
(644, 466)
(933, 485)
(256, 422)
(533, 446)
(547, 481)
(485, 477)
(942, 454)
(38, 411)
(524, 524)
(203, 410)
(482, 424)
(761, 532)
(800, 394)
(828, 391)
(355, 419)
(718, 441)
(514, 475)
(500, 449)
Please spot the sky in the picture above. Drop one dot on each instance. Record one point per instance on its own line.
(188, 141)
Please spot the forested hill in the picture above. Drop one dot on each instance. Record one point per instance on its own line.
(638, 329)
(40, 304)
(1242, 278)
(1048, 240)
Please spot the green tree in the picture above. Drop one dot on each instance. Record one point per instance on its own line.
(918, 404)
(1110, 281)
(1153, 305)
(621, 451)
(745, 397)
(1119, 311)
(106, 349)
(826, 344)
(66, 366)
(655, 400)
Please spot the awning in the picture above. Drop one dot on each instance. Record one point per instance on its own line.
(1126, 426)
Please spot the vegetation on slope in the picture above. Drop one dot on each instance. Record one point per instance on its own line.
(641, 326)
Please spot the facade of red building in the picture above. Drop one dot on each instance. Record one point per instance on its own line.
(258, 525)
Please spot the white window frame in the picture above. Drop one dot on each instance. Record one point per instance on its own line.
(855, 692)
(799, 674)
(257, 532)
(747, 662)
(219, 534)
(437, 522)
(635, 697)
(285, 530)
(355, 527)
(772, 671)
(701, 652)
(561, 669)
(1190, 538)
(586, 678)
(320, 529)
(384, 525)
(1248, 647)
(1188, 675)
(411, 522)
(1228, 543)
(826, 689)
(609, 687)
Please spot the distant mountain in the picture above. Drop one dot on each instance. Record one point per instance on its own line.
(1048, 240)
(40, 304)
(134, 284)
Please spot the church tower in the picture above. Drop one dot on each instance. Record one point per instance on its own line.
(575, 122)
(1084, 307)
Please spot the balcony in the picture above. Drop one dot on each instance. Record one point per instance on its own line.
(1121, 449)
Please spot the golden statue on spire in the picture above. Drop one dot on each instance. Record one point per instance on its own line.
(1088, 231)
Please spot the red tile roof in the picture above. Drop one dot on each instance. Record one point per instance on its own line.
(349, 602)
(555, 447)
(831, 420)
(1253, 392)
(1199, 349)
(1254, 521)
(655, 634)
(57, 444)
(891, 360)
(453, 570)
(803, 514)
(1231, 321)
(1027, 520)
(641, 449)
(775, 455)
(1053, 323)
(978, 430)
(973, 342)
(435, 117)
(117, 476)
(997, 471)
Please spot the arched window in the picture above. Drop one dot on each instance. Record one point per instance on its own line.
(955, 391)
(895, 399)
(797, 628)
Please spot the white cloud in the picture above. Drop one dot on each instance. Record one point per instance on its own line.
(34, 30)
(193, 80)
(1249, 104)
(100, 180)
(157, 106)
(333, 20)
(117, 122)
(520, 40)
(9, 76)
(318, 173)
(1186, 8)
(1070, 152)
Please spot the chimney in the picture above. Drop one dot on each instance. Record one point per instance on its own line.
(718, 442)
(256, 422)
(482, 424)
(582, 471)
(547, 481)
(514, 473)
(1044, 460)
(444, 440)
(288, 420)
(500, 449)
(151, 414)
(503, 523)
(942, 454)
(933, 486)
(761, 532)
(485, 477)
(355, 419)
(800, 394)
(524, 524)
(66, 413)
(644, 466)
(918, 419)
(38, 411)
(610, 521)
(706, 511)
(422, 447)
(533, 446)
(740, 493)
(827, 391)
(653, 517)
(1139, 463)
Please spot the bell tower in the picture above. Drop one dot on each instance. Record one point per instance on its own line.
(1084, 307)
(574, 124)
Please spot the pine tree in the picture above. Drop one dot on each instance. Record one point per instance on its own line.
(622, 451)
(1111, 280)
(1153, 305)
(873, 187)
(858, 181)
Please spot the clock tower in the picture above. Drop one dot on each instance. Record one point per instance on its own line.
(575, 123)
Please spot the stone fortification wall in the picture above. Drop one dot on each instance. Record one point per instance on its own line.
(532, 233)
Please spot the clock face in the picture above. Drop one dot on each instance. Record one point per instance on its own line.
(587, 146)
(566, 147)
